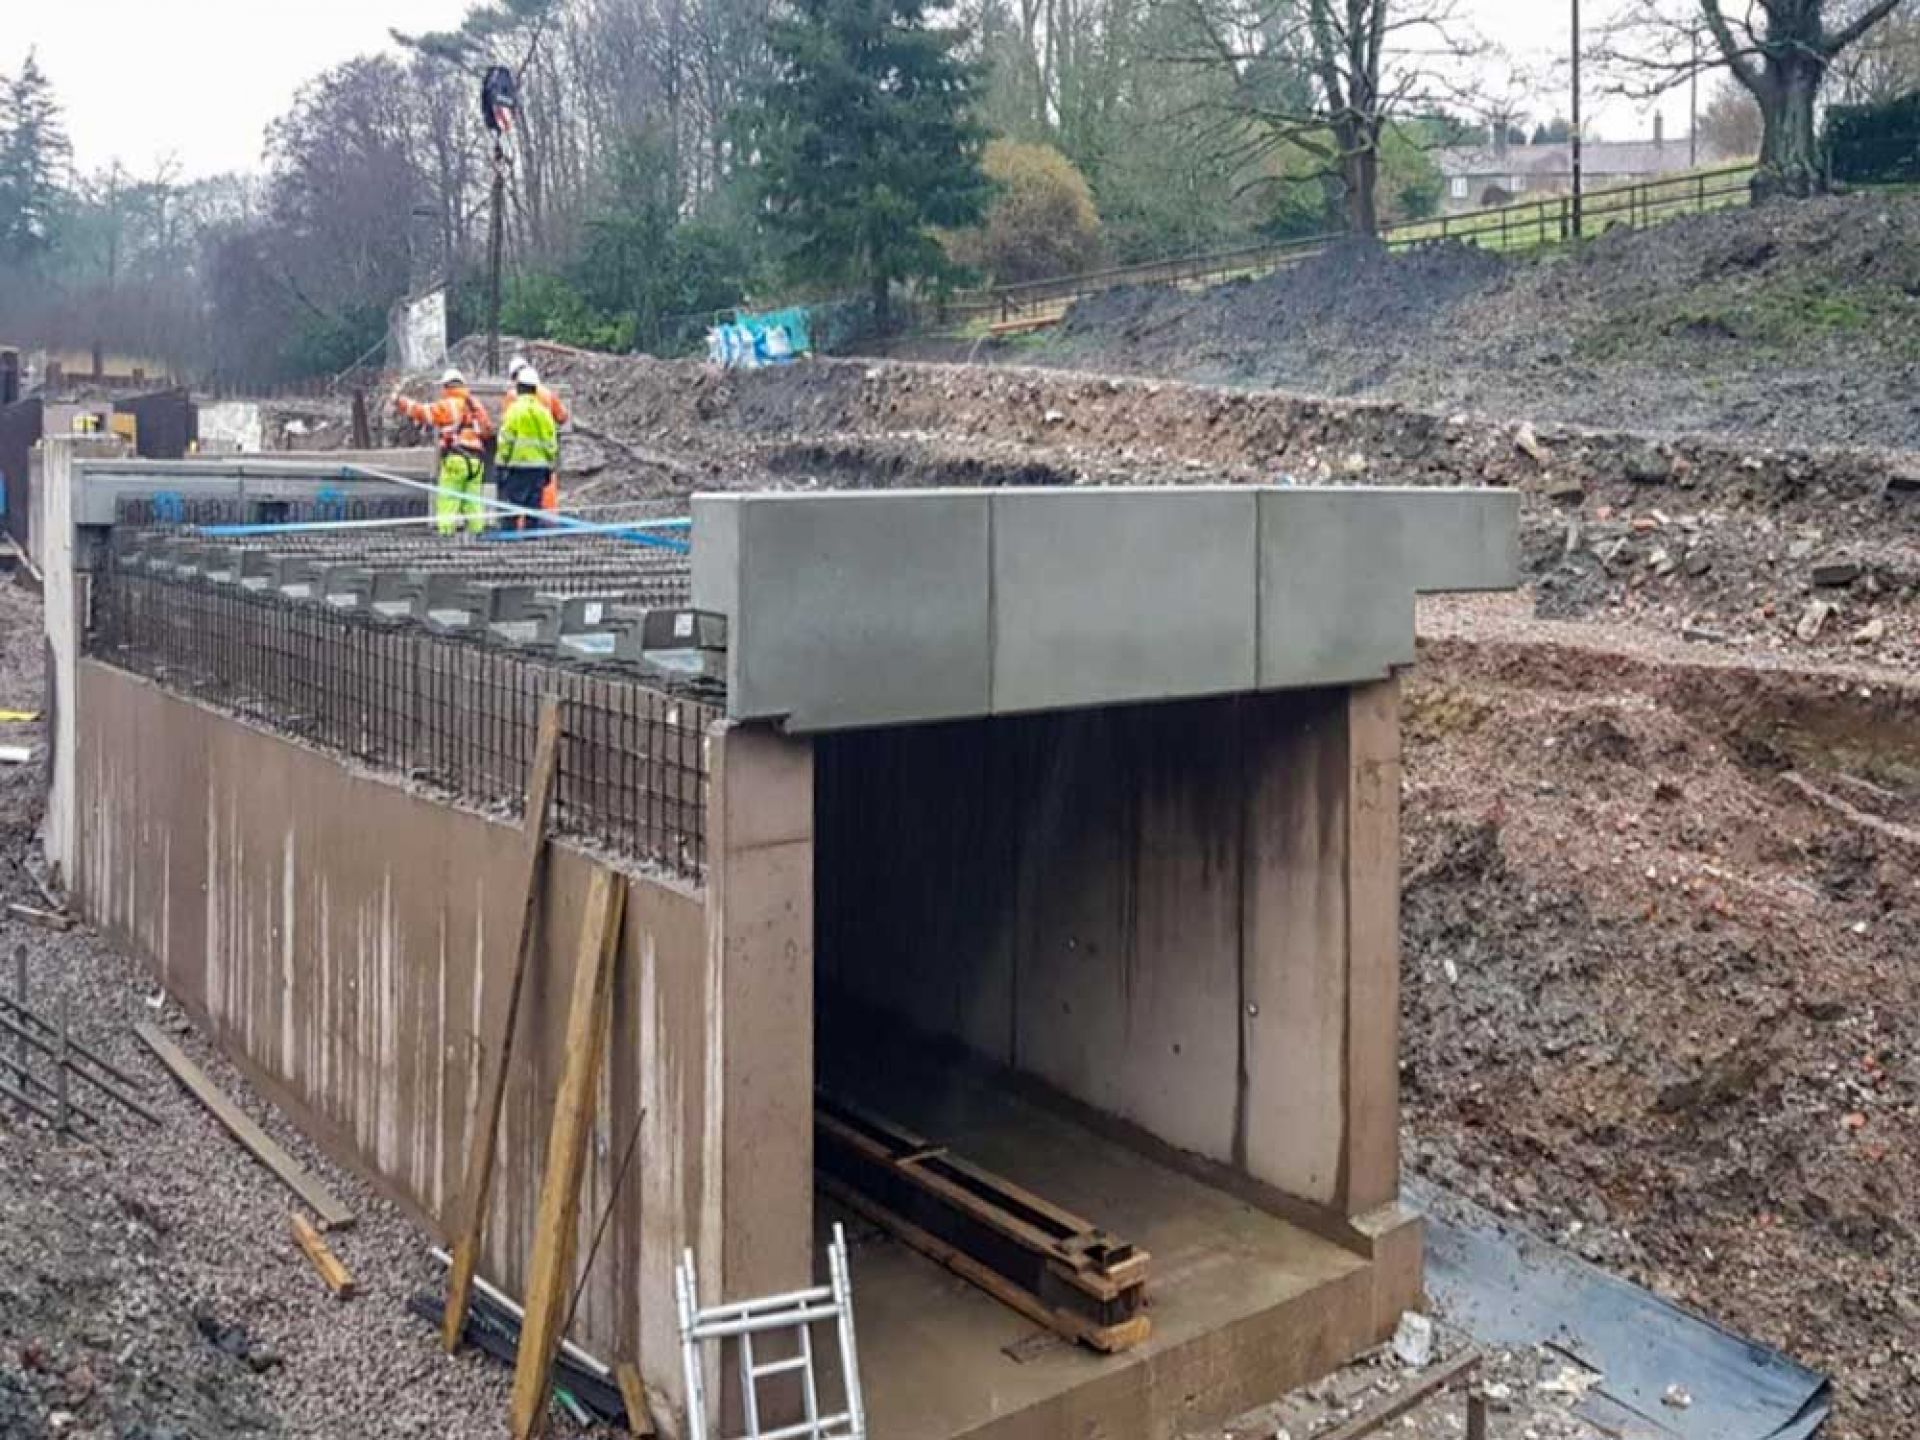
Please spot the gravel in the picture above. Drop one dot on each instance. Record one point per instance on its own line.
(153, 1289)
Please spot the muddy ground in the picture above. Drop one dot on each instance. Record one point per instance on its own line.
(1660, 918)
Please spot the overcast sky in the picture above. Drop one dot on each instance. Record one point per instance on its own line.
(197, 81)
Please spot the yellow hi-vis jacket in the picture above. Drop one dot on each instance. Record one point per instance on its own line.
(529, 440)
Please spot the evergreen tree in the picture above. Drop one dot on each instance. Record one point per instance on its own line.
(865, 140)
(33, 160)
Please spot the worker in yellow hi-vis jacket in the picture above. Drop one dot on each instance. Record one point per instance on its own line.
(528, 449)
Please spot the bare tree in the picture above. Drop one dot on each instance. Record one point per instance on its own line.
(1327, 77)
(1731, 124)
(1778, 51)
(1885, 64)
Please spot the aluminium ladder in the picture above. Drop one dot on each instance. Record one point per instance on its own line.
(795, 1313)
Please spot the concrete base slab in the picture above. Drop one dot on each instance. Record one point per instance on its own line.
(1244, 1305)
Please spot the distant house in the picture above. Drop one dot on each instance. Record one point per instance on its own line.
(1481, 177)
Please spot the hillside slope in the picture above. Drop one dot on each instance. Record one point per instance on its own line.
(1795, 322)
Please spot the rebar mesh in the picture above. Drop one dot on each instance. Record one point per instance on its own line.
(451, 713)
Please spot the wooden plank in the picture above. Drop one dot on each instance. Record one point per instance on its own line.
(1108, 1339)
(1441, 1377)
(338, 1278)
(1083, 1283)
(45, 919)
(317, 1198)
(1026, 1218)
(639, 1414)
(498, 1043)
(568, 1138)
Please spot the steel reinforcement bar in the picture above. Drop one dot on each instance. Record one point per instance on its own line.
(452, 713)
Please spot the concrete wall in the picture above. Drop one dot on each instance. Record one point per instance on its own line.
(343, 938)
(1182, 915)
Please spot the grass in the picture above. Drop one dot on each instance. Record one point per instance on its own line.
(1773, 317)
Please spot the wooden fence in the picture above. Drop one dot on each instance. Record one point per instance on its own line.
(1508, 227)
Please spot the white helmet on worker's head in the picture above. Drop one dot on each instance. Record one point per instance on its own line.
(451, 376)
(515, 366)
(526, 377)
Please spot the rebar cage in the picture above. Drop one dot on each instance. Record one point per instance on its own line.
(456, 714)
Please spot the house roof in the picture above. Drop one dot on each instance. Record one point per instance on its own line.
(1599, 157)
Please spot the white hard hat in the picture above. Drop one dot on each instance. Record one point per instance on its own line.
(526, 375)
(452, 376)
(515, 366)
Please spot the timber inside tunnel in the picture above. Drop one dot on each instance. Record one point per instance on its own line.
(1010, 877)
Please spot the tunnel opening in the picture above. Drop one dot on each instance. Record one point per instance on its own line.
(1035, 1099)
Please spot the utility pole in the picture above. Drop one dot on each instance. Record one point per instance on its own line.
(499, 101)
(496, 230)
(1693, 107)
(1577, 199)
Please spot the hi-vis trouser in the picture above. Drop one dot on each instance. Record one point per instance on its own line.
(461, 479)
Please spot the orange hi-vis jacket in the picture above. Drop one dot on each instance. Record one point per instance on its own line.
(461, 420)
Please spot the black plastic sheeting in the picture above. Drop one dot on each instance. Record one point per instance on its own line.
(1510, 1289)
(497, 1332)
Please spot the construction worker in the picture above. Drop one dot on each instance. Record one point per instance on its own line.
(465, 429)
(529, 447)
(549, 497)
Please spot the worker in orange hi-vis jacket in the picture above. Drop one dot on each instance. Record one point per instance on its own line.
(464, 429)
(556, 407)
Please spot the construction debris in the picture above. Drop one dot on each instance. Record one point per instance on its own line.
(1435, 1382)
(1051, 1265)
(634, 1391)
(333, 1215)
(337, 1277)
(45, 919)
(493, 1326)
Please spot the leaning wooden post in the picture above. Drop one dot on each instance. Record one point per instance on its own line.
(499, 1041)
(20, 1000)
(60, 1064)
(567, 1143)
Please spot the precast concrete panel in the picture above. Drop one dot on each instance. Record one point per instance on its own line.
(1102, 596)
(850, 609)
(1335, 607)
(1453, 540)
(855, 609)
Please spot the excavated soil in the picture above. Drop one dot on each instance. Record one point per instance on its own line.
(1660, 918)
(1796, 323)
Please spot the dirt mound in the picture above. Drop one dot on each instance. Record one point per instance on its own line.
(1658, 996)
(1336, 316)
(1796, 322)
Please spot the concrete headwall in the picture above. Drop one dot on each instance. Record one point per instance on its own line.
(343, 938)
(1182, 915)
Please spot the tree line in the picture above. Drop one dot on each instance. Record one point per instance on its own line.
(676, 157)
